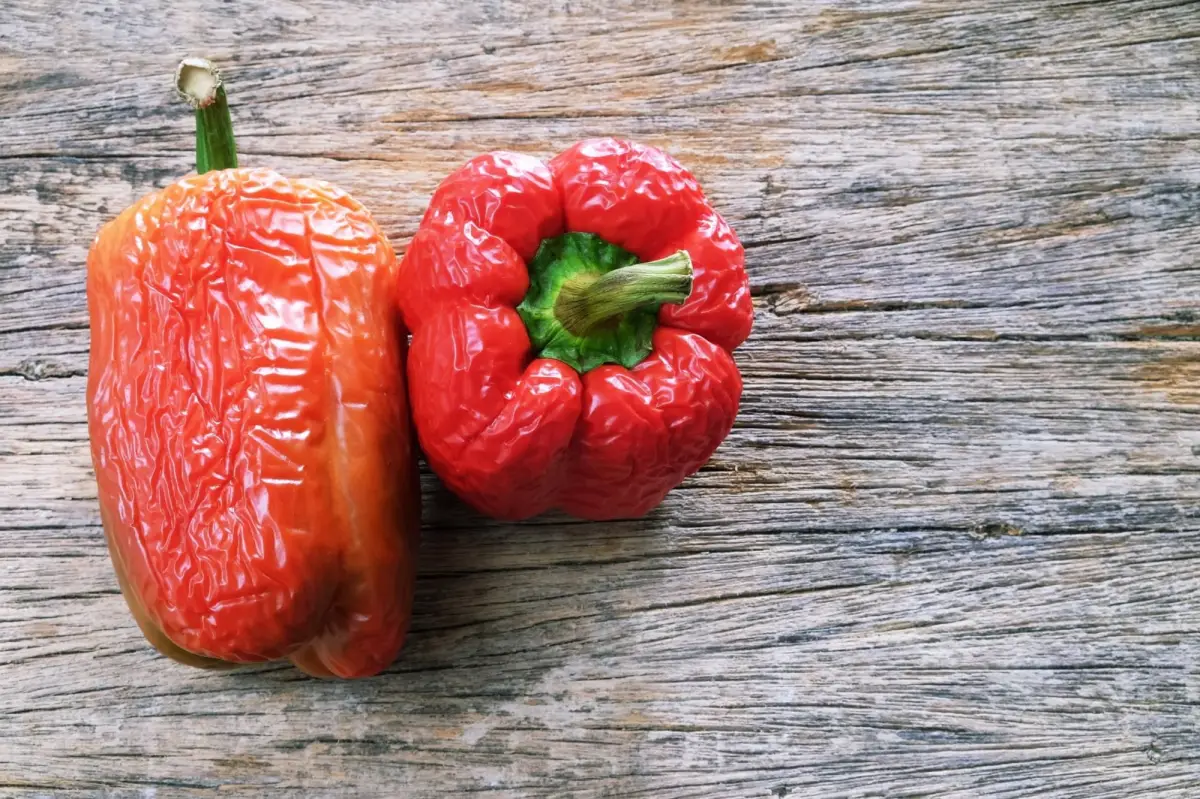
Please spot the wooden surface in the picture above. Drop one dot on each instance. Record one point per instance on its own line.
(952, 547)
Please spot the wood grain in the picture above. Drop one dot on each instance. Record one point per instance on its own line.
(952, 547)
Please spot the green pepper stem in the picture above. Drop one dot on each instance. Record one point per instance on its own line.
(588, 300)
(200, 84)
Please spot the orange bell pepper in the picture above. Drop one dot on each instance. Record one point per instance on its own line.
(248, 419)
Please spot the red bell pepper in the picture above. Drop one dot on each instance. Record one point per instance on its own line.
(247, 413)
(549, 368)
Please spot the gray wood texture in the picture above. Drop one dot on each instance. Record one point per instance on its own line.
(951, 548)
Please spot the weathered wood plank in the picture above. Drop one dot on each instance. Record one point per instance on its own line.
(952, 547)
(641, 674)
(1049, 435)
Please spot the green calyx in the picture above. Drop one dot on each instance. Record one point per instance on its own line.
(199, 82)
(590, 302)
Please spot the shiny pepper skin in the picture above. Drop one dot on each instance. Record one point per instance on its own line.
(514, 434)
(249, 428)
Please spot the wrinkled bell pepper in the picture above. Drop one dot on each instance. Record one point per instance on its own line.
(248, 418)
(572, 327)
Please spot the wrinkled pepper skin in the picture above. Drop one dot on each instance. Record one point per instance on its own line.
(249, 428)
(514, 434)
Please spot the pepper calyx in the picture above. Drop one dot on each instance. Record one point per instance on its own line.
(590, 302)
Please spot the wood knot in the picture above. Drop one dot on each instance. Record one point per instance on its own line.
(1176, 376)
(787, 299)
(749, 53)
(987, 530)
(38, 369)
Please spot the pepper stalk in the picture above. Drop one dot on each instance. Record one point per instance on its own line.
(199, 82)
(588, 300)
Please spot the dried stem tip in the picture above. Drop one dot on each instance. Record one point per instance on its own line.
(198, 81)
